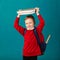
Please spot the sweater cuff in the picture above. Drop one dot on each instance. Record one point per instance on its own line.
(18, 16)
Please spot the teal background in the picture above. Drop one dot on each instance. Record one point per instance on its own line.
(11, 42)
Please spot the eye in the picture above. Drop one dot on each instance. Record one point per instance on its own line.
(26, 23)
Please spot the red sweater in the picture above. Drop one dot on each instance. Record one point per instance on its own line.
(31, 47)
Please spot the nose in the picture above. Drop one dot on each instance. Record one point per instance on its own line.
(29, 26)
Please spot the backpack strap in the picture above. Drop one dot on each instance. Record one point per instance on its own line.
(41, 45)
(24, 30)
(36, 35)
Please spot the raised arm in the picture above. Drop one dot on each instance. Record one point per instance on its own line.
(41, 21)
(19, 28)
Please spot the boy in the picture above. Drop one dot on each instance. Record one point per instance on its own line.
(31, 48)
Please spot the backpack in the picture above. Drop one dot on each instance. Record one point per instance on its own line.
(42, 45)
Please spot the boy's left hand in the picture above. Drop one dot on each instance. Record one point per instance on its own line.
(37, 10)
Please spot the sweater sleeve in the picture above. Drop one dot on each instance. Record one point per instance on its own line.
(41, 23)
(19, 28)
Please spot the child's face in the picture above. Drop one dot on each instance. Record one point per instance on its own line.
(29, 23)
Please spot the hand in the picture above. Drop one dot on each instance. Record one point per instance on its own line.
(37, 10)
(19, 13)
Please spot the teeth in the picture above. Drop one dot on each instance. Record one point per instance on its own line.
(28, 11)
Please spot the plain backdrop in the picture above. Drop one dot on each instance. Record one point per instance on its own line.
(11, 42)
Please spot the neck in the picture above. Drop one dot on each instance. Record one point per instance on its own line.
(30, 28)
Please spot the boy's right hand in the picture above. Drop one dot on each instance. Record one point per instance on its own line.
(19, 13)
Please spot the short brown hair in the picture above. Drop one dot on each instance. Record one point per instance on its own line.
(32, 17)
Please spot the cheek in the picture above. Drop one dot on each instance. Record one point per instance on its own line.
(32, 24)
(26, 25)
(29, 25)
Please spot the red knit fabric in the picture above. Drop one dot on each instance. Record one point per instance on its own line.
(31, 47)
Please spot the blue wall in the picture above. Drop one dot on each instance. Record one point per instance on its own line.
(11, 42)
